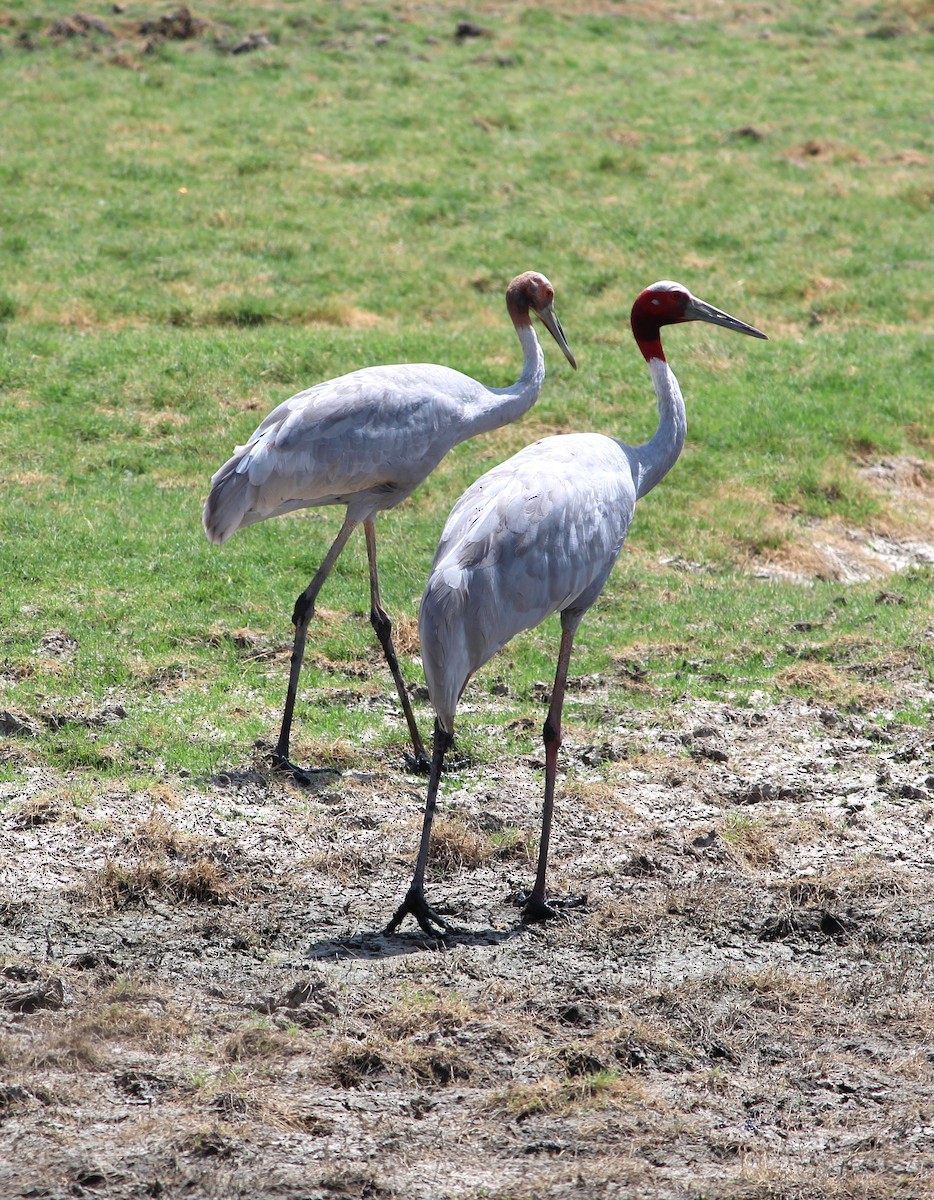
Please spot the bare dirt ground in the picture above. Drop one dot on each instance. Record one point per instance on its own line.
(197, 1000)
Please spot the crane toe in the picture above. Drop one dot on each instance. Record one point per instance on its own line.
(303, 776)
(417, 906)
(536, 908)
(418, 764)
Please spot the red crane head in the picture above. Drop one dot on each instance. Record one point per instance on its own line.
(667, 303)
(532, 292)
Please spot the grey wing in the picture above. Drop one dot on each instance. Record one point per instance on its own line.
(549, 523)
(350, 432)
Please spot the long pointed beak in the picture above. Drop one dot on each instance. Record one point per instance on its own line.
(698, 310)
(550, 320)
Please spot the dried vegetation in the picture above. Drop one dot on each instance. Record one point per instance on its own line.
(742, 1009)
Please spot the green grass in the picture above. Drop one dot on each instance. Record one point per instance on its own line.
(189, 236)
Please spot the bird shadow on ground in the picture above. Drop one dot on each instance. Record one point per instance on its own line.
(265, 777)
(374, 944)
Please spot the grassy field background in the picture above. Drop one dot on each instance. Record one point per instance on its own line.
(200, 217)
(191, 235)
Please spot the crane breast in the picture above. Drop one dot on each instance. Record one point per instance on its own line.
(555, 514)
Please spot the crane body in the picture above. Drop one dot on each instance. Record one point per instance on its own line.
(536, 535)
(366, 440)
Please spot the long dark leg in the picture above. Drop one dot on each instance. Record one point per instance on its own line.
(415, 902)
(536, 906)
(379, 619)
(301, 616)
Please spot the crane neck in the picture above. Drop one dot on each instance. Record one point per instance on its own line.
(652, 461)
(502, 405)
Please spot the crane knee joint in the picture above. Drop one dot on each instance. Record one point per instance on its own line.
(381, 623)
(303, 611)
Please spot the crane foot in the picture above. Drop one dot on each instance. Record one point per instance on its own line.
(417, 906)
(417, 763)
(535, 909)
(303, 776)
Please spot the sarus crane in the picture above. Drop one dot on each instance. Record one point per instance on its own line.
(536, 535)
(367, 440)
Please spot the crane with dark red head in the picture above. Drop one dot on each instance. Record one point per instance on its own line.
(536, 535)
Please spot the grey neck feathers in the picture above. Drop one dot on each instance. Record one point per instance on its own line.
(652, 461)
(507, 404)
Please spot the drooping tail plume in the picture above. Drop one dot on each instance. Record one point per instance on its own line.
(229, 501)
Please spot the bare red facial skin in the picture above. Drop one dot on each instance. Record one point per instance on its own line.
(544, 293)
(530, 290)
(651, 310)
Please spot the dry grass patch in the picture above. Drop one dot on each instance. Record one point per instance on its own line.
(352, 1064)
(637, 912)
(203, 881)
(631, 1044)
(134, 1020)
(833, 686)
(426, 1018)
(162, 421)
(429, 1058)
(598, 796)
(795, 557)
(117, 887)
(337, 754)
(157, 835)
(514, 845)
(729, 1014)
(405, 635)
(352, 1181)
(259, 1040)
(915, 1067)
(72, 1051)
(458, 844)
(440, 1064)
(166, 794)
(454, 846)
(210, 1141)
(900, 980)
(31, 479)
(574, 1093)
(781, 991)
(143, 1019)
(429, 1037)
(421, 1012)
(767, 1182)
(345, 863)
(241, 1106)
(749, 840)
(162, 860)
(48, 808)
(871, 879)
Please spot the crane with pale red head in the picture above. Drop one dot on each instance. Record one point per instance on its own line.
(366, 441)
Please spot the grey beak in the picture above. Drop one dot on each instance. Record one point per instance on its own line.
(698, 310)
(549, 319)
